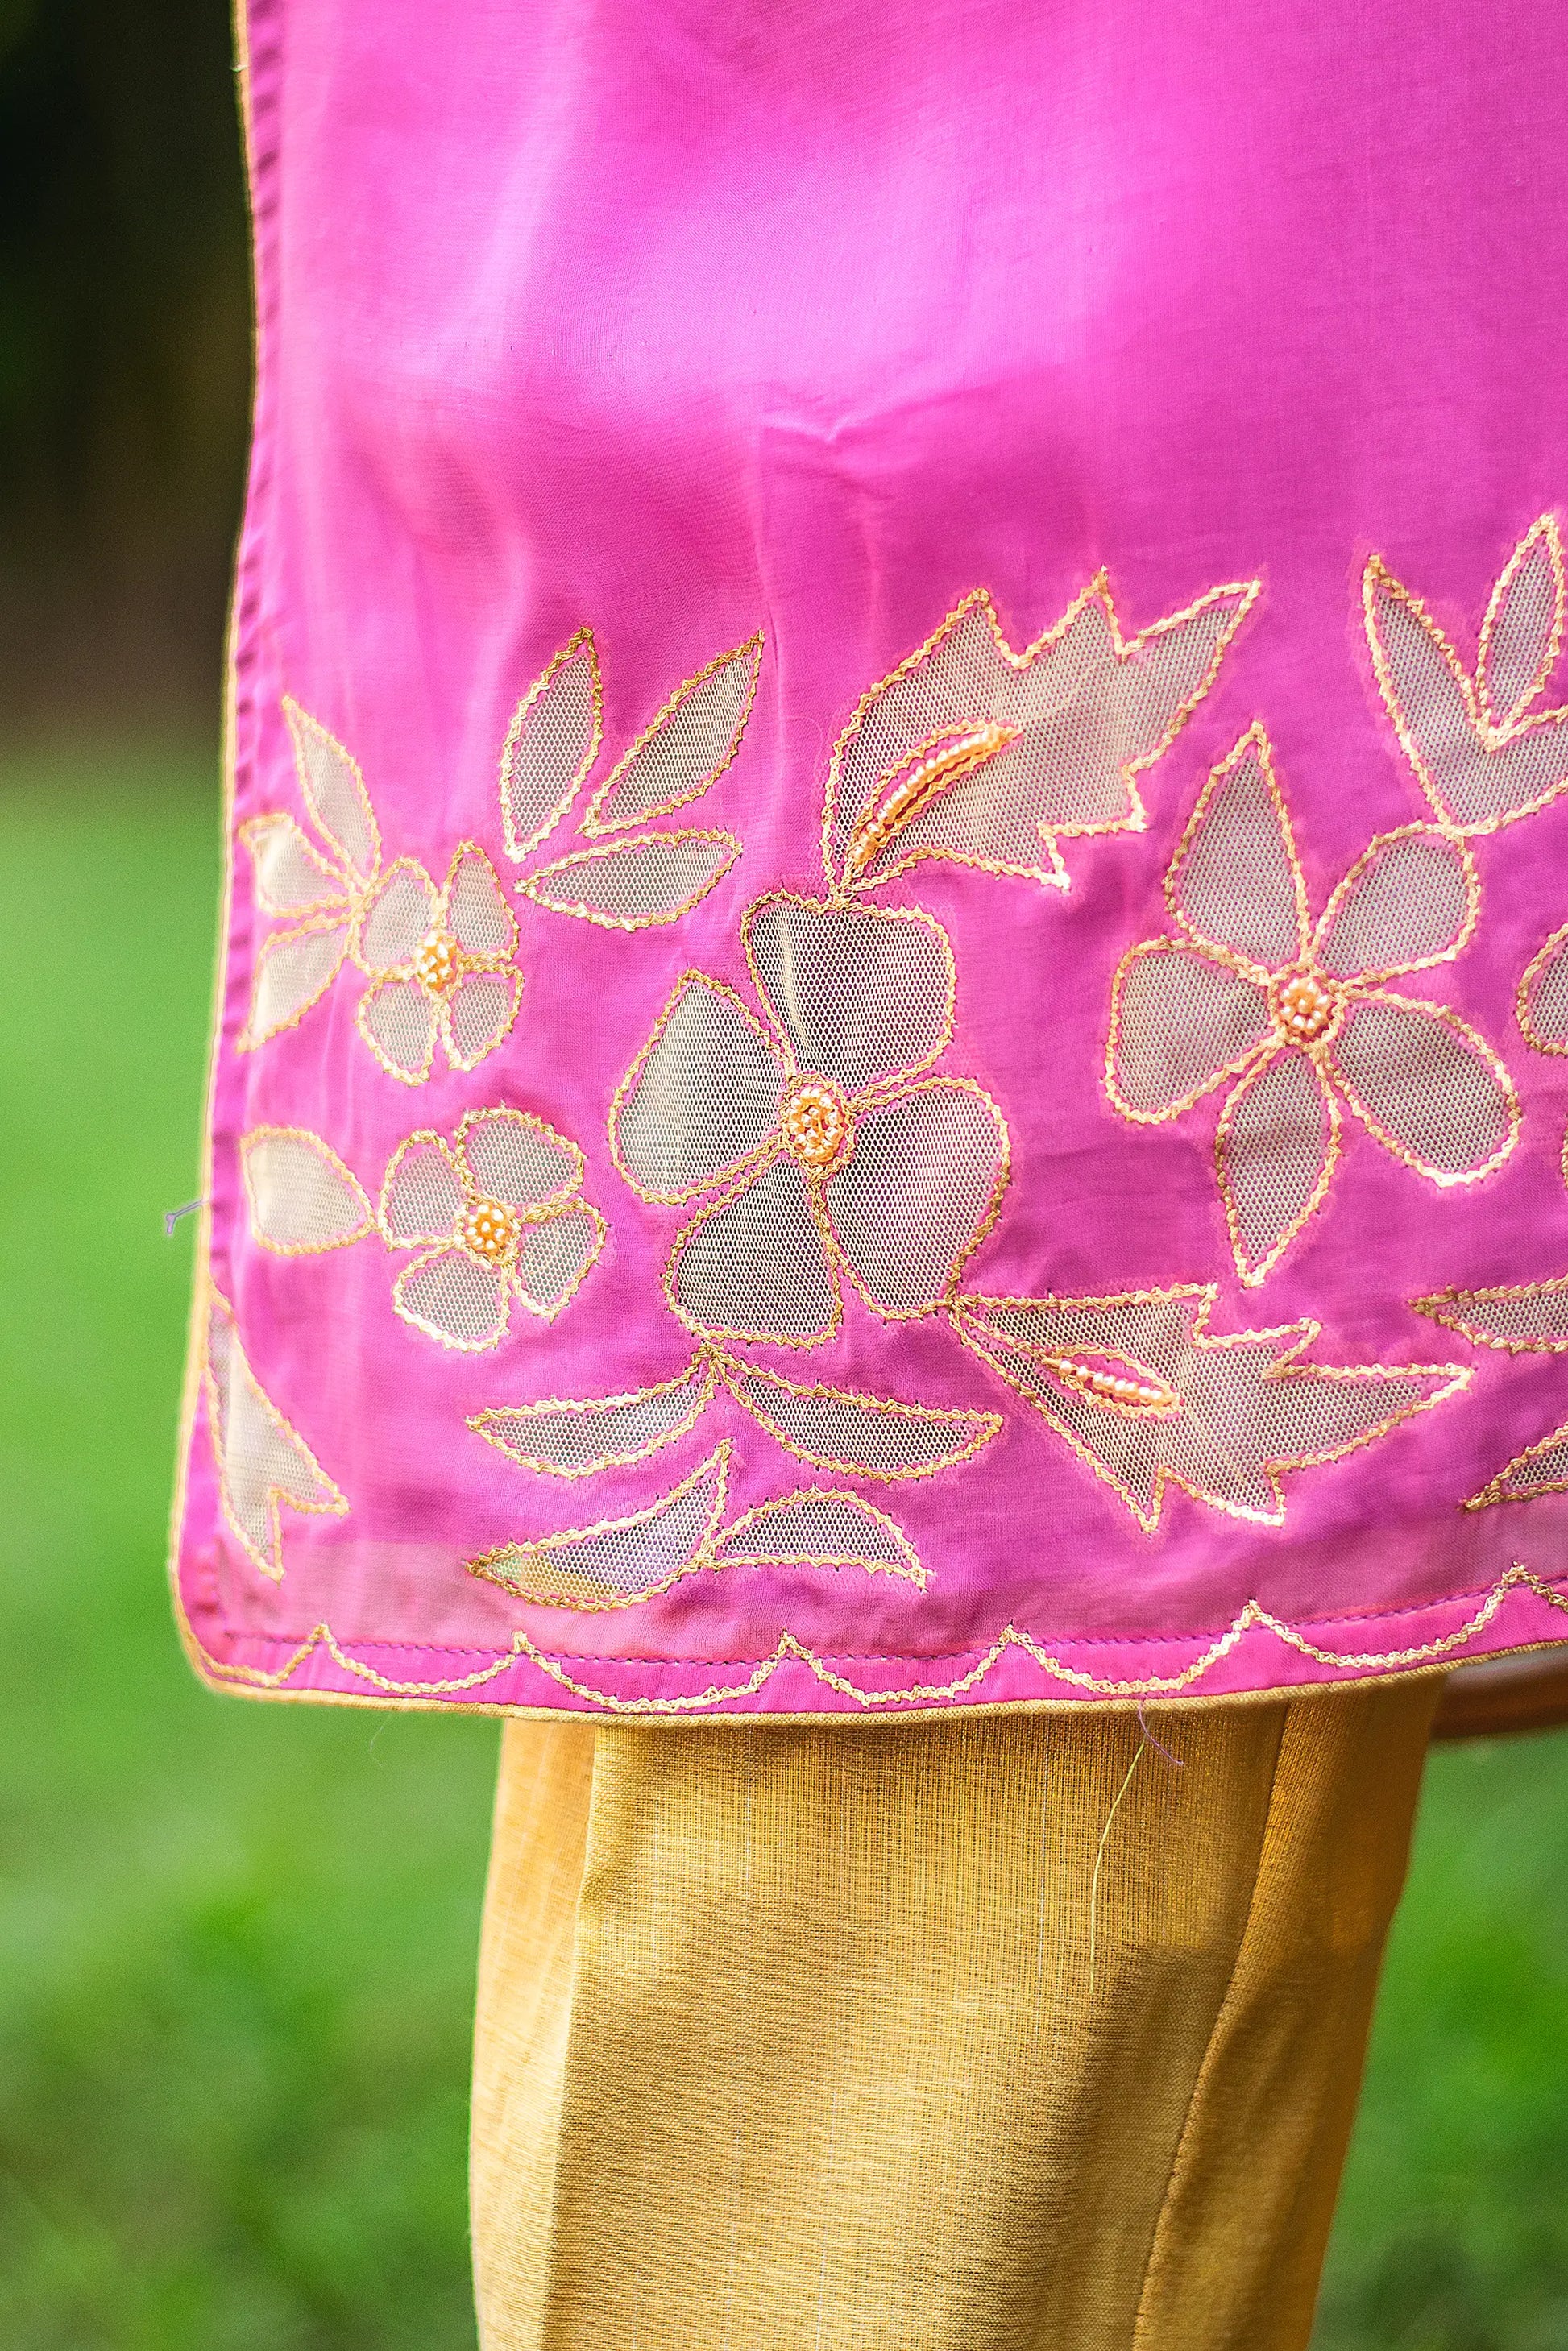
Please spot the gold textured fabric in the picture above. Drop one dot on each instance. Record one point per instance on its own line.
(1008, 2033)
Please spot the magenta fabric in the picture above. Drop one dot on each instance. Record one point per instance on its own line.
(680, 323)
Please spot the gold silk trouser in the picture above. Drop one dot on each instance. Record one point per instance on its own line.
(1006, 2033)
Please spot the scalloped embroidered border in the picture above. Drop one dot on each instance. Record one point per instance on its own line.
(1253, 1615)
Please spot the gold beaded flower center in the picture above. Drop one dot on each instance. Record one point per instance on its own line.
(816, 1123)
(1304, 1005)
(438, 964)
(492, 1230)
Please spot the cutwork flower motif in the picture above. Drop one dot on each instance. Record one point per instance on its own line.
(832, 1152)
(440, 964)
(1298, 1016)
(496, 1216)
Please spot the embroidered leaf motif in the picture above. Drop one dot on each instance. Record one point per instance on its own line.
(1484, 754)
(291, 877)
(563, 1438)
(263, 1466)
(1542, 1468)
(550, 745)
(302, 1198)
(1521, 1317)
(971, 751)
(1248, 1408)
(293, 970)
(864, 1435)
(334, 792)
(637, 884)
(685, 748)
(817, 1527)
(618, 1560)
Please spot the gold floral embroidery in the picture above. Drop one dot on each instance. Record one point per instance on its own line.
(858, 1003)
(301, 1197)
(263, 1464)
(1542, 1003)
(838, 1430)
(789, 1650)
(1482, 754)
(619, 1562)
(441, 964)
(989, 757)
(497, 1217)
(1297, 1016)
(1225, 1419)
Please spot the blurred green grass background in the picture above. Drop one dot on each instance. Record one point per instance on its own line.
(237, 1940)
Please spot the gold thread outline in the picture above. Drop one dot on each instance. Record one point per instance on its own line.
(1253, 749)
(700, 1376)
(868, 1104)
(1256, 1270)
(1251, 1615)
(296, 719)
(914, 916)
(984, 1425)
(719, 1556)
(1529, 986)
(255, 829)
(1445, 1178)
(1496, 1491)
(1544, 529)
(250, 1039)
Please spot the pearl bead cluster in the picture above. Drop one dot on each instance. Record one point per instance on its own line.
(438, 964)
(1303, 1007)
(492, 1230)
(816, 1123)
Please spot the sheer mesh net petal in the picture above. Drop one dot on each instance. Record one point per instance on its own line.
(574, 1439)
(400, 1020)
(1275, 1141)
(517, 1159)
(908, 1202)
(1409, 898)
(550, 745)
(1521, 1317)
(705, 1098)
(1181, 1022)
(552, 1257)
(1474, 782)
(1546, 1007)
(1234, 879)
(1520, 640)
(290, 877)
(455, 1297)
(756, 1265)
(480, 1009)
(839, 1430)
(302, 1198)
(477, 914)
(1085, 714)
(399, 916)
(621, 1559)
(1425, 1085)
(423, 1197)
(687, 748)
(260, 1460)
(335, 793)
(629, 886)
(812, 1528)
(292, 969)
(859, 992)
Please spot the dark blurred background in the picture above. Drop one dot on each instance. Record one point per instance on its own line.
(238, 1940)
(125, 356)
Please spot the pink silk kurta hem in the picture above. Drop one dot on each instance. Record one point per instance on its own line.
(1002, 1198)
